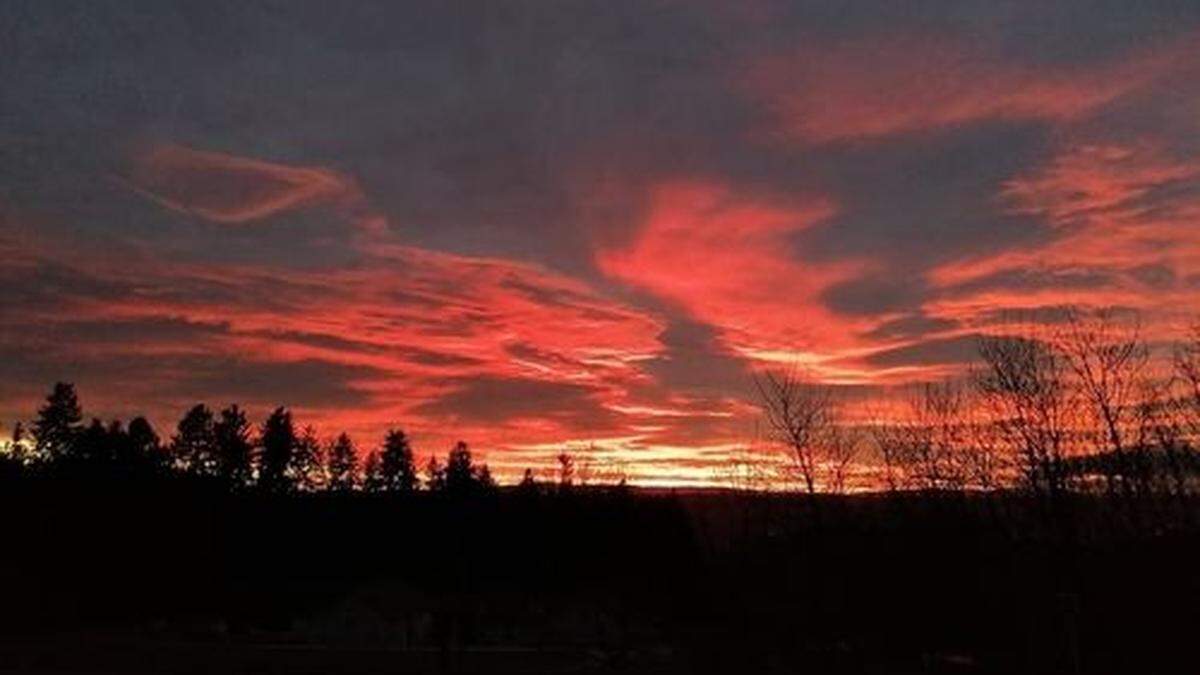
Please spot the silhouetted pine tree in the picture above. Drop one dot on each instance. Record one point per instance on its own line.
(194, 446)
(234, 448)
(396, 469)
(277, 449)
(307, 469)
(95, 443)
(12, 461)
(372, 480)
(342, 464)
(140, 448)
(484, 480)
(117, 444)
(528, 484)
(18, 452)
(435, 475)
(463, 476)
(460, 471)
(142, 438)
(58, 423)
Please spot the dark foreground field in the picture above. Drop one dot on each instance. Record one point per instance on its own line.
(180, 579)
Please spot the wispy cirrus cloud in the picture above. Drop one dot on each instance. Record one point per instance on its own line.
(888, 84)
(228, 188)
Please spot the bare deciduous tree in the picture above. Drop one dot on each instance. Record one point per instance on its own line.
(939, 436)
(746, 467)
(1176, 425)
(1108, 360)
(841, 448)
(891, 440)
(987, 466)
(799, 414)
(940, 441)
(1187, 375)
(1024, 385)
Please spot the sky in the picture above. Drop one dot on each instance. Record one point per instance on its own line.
(538, 225)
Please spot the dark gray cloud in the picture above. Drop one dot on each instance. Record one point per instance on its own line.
(1156, 276)
(176, 379)
(874, 295)
(495, 400)
(941, 351)
(909, 326)
(695, 362)
(487, 129)
(919, 200)
(307, 383)
(1026, 279)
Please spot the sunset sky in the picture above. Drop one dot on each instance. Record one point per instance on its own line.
(538, 224)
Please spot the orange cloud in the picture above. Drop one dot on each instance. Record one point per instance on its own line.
(892, 85)
(230, 189)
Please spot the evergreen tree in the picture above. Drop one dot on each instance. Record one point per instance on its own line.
(194, 446)
(142, 438)
(18, 451)
(96, 442)
(278, 447)
(12, 461)
(483, 479)
(460, 471)
(342, 464)
(435, 475)
(234, 448)
(58, 423)
(116, 444)
(396, 469)
(307, 468)
(141, 445)
(372, 474)
(528, 484)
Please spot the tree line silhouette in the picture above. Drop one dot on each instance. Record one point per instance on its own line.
(1077, 407)
(227, 450)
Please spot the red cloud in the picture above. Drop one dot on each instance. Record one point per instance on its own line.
(230, 189)
(728, 262)
(888, 85)
(1122, 222)
(515, 358)
(502, 353)
(1098, 185)
(402, 330)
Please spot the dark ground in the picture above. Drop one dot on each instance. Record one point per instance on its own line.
(178, 578)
